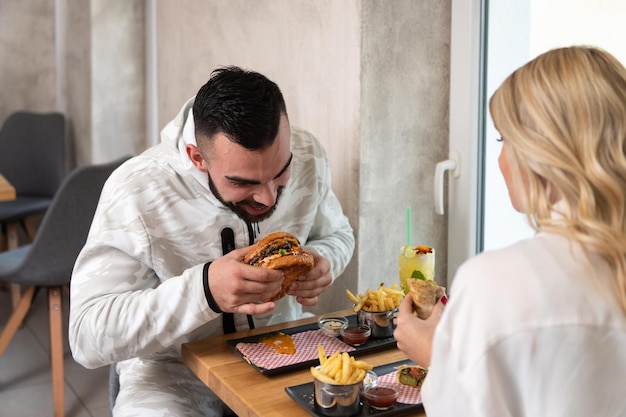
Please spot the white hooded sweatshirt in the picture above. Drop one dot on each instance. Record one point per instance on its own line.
(137, 288)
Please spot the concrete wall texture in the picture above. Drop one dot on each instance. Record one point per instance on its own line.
(369, 78)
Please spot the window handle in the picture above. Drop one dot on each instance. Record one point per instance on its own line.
(453, 164)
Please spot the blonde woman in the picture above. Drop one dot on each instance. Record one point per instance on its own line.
(539, 328)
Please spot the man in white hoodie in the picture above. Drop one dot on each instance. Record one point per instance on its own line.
(163, 261)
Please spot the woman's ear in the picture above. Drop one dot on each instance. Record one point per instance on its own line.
(196, 158)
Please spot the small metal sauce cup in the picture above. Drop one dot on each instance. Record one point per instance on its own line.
(337, 400)
(382, 323)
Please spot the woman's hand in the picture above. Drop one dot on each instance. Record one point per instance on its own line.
(414, 335)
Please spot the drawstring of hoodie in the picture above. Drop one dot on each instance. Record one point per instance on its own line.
(253, 231)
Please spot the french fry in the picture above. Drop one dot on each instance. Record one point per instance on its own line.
(361, 303)
(352, 297)
(356, 376)
(339, 368)
(362, 365)
(335, 369)
(393, 291)
(382, 299)
(330, 363)
(380, 296)
(321, 354)
(319, 375)
(346, 370)
(352, 378)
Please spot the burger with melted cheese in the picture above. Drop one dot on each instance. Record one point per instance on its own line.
(281, 251)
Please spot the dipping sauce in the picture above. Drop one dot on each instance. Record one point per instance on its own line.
(356, 336)
(282, 343)
(382, 397)
(331, 325)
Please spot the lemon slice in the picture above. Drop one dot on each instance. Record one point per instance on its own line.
(408, 251)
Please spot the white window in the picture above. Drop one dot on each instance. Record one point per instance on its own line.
(489, 41)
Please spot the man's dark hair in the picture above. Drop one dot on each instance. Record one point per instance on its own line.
(244, 105)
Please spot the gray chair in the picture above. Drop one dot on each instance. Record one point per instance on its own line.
(48, 261)
(32, 159)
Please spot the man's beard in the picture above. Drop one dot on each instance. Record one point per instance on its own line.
(238, 209)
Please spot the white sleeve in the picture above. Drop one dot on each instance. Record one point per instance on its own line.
(119, 307)
(331, 235)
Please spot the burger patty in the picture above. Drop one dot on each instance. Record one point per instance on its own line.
(273, 250)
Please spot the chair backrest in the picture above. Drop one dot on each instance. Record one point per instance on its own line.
(33, 152)
(65, 226)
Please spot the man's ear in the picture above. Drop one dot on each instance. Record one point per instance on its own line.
(196, 158)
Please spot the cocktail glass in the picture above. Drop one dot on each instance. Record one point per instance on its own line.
(415, 262)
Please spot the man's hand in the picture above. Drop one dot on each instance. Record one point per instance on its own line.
(414, 335)
(239, 288)
(308, 287)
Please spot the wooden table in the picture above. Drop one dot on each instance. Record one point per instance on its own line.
(7, 191)
(246, 391)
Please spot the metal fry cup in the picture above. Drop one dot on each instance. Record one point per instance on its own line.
(337, 400)
(382, 323)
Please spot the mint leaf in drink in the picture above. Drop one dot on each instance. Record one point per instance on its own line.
(418, 274)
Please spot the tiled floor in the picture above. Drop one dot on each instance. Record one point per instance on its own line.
(25, 375)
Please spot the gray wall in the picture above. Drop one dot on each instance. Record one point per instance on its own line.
(369, 78)
(403, 133)
(82, 58)
(27, 56)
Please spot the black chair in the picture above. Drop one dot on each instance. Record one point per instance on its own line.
(48, 261)
(32, 159)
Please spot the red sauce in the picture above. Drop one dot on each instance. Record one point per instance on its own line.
(355, 335)
(381, 397)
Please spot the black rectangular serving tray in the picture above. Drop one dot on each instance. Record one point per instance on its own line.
(372, 345)
(303, 395)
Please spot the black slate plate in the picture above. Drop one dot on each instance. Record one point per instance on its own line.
(303, 395)
(372, 345)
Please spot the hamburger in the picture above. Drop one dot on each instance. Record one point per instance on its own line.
(280, 251)
(411, 375)
(425, 294)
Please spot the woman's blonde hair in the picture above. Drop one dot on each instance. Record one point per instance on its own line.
(562, 117)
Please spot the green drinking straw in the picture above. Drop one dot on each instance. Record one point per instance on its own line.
(408, 225)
